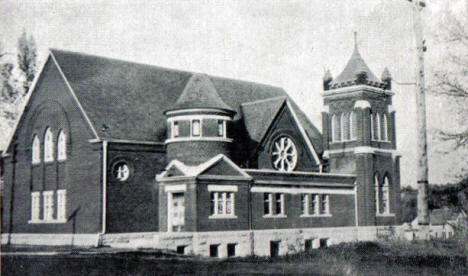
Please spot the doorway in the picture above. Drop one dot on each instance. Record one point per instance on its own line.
(176, 210)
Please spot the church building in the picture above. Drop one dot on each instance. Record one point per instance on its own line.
(109, 152)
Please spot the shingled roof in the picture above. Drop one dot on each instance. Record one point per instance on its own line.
(126, 100)
(356, 65)
(200, 92)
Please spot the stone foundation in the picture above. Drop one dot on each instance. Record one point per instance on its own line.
(82, 240)
(222, 243)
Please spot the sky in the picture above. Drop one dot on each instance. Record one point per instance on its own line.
(283, 43)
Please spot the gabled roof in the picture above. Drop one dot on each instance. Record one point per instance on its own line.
(178, 169)
(126, 100)
(355, 65)
(259, 115)
(200, 92)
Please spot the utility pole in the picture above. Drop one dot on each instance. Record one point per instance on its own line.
(422, 165)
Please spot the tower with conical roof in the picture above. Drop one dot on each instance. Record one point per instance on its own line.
(198, 123)
(359, 138)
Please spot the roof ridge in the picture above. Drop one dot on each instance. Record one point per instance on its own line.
(265, 100)
(161, 67)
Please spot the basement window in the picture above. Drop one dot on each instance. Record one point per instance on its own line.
(214, 250)
(231, 250)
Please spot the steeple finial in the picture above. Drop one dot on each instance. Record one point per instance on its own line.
(355, 40)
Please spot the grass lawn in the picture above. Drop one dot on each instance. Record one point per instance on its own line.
(363, 258)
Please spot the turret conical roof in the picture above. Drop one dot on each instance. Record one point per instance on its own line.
(200, 93)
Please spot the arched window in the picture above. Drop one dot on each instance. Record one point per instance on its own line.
(336, 125)
(345, 127)
(372, 126)
(377, 194)
(352, 125)
(385, 196)
(62, 146)
(378, 126)
(384, 128)
(36, 150)
(48, 146)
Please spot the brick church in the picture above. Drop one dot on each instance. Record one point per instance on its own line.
(109, 152)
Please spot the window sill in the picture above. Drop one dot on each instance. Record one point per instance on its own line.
(47, 221)
(222, 217)
(344, 141)
(35, 164)
(275, 216)
(316, 216)
(386, 215)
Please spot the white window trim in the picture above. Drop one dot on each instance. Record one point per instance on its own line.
(200, 128)
(271, 210)
(173, 128)
(36, 150)
(62, 146)
(332, 126)
(223, 215)
(379, 127)
(222, 188)
(48, 146)
(201, 118)
(176, 188)
(352, 132)
(48, 197)
(35, 200)
(385, 128)
(61, 206)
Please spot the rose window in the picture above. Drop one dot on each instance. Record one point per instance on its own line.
(284, 154)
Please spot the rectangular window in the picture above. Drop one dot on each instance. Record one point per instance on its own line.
(48, 198)
(214, 250)
(175, 129)
(273, 204)
(35, 205)
(305, 204)
(195, 127)
(267, 204)
(221, 128)
(324, 205)
(314, 206)
(61, 204)
(231, 249)
(222, 203)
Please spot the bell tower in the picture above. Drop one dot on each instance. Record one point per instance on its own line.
(359, 138)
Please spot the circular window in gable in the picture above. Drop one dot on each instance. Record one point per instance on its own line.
(121, 171)
(284, 154)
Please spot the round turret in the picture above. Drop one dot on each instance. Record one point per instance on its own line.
(198, 123)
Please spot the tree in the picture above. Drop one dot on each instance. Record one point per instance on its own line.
(452, 79)
(27, 56)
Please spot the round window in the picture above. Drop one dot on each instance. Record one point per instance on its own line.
(121, 171)
(284, 154)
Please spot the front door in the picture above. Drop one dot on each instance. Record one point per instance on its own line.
(177, 212)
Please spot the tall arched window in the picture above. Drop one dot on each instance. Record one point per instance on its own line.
(378, 127)
(385, 196)
(352, 125)
(372, 126)
(62, 146)
(377, 194)
(384, 128)
(344, 126)
(336, 127)
(36, 150)
(48, 146)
